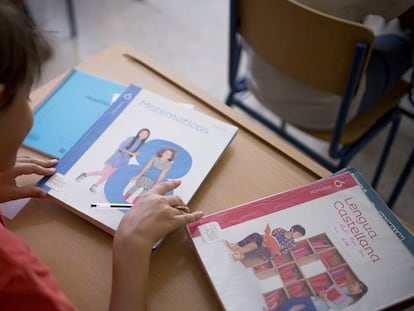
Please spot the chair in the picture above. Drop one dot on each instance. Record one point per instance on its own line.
(321, 51)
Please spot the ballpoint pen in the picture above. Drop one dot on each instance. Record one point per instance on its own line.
(121, 206)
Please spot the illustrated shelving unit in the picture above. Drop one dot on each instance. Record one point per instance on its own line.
(289, 269)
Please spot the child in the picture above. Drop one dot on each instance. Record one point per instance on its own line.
(254, 245)
(353, 291)
(152, 173)
(25, 283)
(129, 148)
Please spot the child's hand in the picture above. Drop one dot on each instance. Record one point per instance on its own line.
(153, 217)
(145, 224)
(24, 166)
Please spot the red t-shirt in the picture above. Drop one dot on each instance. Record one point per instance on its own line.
(25, 283)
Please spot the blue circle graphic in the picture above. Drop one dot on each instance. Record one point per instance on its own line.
(119, 180)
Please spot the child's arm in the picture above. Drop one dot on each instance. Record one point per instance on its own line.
(145, 224)
(132, 154)
(24, 165)
(162, 175)
(123, 146)
(144, 169)
(270, 242)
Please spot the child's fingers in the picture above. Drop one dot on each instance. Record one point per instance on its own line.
(186, 218)
(182, 208)
(164, 187)
(27, 192)
(174, 200)
(32, 169)
(40, 162)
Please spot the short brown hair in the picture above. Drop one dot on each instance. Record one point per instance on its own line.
(21, 51)
(172, 157)
(298, 228)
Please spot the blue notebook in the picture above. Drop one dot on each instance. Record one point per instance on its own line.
(69, 111)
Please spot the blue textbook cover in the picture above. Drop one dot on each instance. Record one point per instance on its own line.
(69, 111)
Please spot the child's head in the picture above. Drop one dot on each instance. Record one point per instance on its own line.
(357, 290)
(297, 231)
(143, 134)
(21, 52)
(20, 62)
(167, 154)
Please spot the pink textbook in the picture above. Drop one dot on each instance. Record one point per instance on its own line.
(351, 251)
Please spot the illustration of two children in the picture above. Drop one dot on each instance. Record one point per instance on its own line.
(266, 246)
(280, 242)
(152, 173)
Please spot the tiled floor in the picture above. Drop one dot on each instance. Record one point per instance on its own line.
(188, 37)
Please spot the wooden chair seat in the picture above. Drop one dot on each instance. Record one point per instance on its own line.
(356, 128)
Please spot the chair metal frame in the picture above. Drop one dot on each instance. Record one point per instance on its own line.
(70, 8)
(408, 166)
(402, 179)
(337, 151)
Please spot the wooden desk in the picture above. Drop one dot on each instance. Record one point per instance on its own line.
(256, 164)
